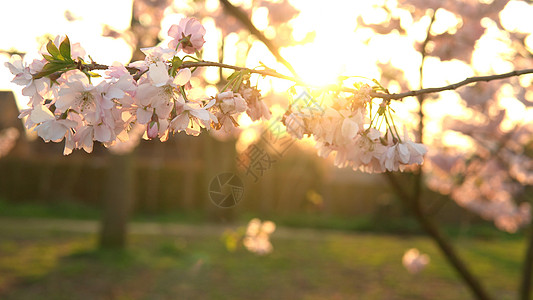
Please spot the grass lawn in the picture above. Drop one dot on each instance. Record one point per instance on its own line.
(51, 263)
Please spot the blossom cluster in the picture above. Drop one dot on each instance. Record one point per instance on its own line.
(493, 179)
(346, 128)
(257, 238)
(70, 101)
(66, 104)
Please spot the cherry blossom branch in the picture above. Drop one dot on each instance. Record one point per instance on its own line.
(451, 86)
(203, 63)
(273, 73)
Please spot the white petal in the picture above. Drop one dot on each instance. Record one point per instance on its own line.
(349, 128)
(144, 116)
(51, 131)
(145, 93)
(403, 153)
(158, 74)
(183, 76)
(211, 103)
(114, 93)
(41, 114)
(69, 144)
(102, 133)
(180, 122)
(201, 114)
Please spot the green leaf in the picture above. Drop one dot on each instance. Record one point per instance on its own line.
(64, 49)
(93, 74)
(237, 83)
(48, 58)
(176, 63)
(52, 49)
(51, 68)
(233, 75)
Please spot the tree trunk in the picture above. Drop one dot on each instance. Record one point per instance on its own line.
(118, 202)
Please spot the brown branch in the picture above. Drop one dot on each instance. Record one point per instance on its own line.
(451, 86)
(443, 243)
(272, 73)
(267, 72)
(414, 202)
(95, 66)
(243, 18)
(525, 285)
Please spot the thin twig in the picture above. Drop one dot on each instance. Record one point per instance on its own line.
(243, 18)
(451, 86)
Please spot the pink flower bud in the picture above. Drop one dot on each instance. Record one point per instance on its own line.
(152, 129)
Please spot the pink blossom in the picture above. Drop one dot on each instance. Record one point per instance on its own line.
(295, 125)
(116, 70)
(158, 92)
(79, 94)
(55, 130)
(191, 113)
(257, 238)
(36, 89)
(189, 34)
(153, 55)
(226, 108)
(21, 71)
(256, 108)
(414, 261)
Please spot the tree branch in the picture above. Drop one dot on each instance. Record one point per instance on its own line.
(451, 86)
(442, 242)
(414, 202)
(243, 18)
(272, 73)
(525, 284)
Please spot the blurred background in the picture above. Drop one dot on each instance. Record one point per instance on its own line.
(479, 139)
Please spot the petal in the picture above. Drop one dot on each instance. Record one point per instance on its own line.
(349, 128)
(145, 94)
(144, 116)
(183, 76)
(69, 144)
(180, 122)
(210, 104)
(173, 31)
(51, 131)
(102, 133)
(201, 114)
(41, 114)
(403, 153)
(114, 93)
(158, 74)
